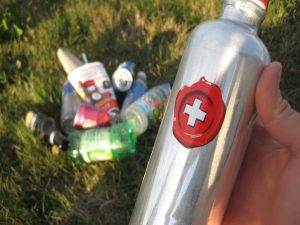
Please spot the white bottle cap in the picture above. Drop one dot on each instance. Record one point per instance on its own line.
(142, 75)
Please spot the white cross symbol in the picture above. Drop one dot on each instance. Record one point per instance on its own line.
(194, 112)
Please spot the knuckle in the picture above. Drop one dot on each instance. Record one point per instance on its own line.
(284, 110)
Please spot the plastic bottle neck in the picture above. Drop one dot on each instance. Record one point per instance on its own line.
(245, 12)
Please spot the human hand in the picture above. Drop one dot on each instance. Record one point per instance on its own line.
(267, 190)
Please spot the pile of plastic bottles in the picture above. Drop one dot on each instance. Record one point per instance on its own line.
(100, 117)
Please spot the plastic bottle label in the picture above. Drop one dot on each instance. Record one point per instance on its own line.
(97, 155)
(152, 102)
(92, 146)
(137, 90)
(68, 89)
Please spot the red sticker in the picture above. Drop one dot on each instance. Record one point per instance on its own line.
(199, 113)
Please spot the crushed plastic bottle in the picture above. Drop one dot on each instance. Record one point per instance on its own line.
(88, 116)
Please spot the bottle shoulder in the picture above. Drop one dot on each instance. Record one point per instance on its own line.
(226, 34)
(134, 108)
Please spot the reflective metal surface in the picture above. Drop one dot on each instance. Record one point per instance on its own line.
(185, 186)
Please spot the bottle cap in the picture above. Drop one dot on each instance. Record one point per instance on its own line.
(68, 60)
(57, 138)
(55, 150)
(137, 119)
(29, 119)
(142, 75)
(262, 3)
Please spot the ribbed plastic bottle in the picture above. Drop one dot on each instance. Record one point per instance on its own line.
(100, 144)
(45, 128)
(69, 107)
(148, 109)
(137, 90)
(207, 125)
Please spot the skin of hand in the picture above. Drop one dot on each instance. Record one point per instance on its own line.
(267, 190)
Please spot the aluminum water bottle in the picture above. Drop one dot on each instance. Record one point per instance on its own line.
(208, 121)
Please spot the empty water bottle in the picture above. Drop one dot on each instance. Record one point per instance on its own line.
(148, 109)
(138, 89)
(45, 127)
(70, 105)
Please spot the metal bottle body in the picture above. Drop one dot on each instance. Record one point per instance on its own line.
(184, 186)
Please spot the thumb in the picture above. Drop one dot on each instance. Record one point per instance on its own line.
(279, 119)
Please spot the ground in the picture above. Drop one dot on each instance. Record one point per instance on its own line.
(37, 187)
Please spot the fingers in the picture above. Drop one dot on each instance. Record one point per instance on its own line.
(279, 119)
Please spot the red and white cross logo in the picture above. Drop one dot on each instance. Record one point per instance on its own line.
(194, 112)
(198, 114)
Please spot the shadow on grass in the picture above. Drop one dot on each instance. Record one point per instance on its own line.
(111, 200)
(126, 42)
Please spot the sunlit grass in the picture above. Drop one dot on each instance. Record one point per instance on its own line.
(38, 187)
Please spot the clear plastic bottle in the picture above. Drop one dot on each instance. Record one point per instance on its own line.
(137, 90)
(111, 143)
(70, 105)
(45, 127)
(148, 109)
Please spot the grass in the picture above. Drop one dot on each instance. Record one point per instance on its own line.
(37, 187)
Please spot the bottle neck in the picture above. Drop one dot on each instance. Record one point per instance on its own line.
(247, 12)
